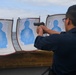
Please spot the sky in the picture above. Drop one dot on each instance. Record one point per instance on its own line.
(33, 8)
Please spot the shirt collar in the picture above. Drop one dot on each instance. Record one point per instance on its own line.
(72, 30)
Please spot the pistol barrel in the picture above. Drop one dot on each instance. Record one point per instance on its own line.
(38, 24)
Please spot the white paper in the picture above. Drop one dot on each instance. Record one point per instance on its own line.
(26, 33)
(55, 22)
(6, 46)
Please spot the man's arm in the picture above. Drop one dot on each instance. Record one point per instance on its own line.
(48, 42)
(49, 31)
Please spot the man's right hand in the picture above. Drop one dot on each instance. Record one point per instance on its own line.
(39, 31)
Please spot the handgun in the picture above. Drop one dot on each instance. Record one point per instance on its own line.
(38, 24)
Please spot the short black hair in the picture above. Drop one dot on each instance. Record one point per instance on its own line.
(71, 14)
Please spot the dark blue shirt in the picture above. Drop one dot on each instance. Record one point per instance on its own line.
(64, 47)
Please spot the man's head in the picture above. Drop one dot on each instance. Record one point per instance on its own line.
(70, 17)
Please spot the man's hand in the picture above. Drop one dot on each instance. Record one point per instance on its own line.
(45, 29)
(39, 31)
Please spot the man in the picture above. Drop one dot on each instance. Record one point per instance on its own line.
(62, 44)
